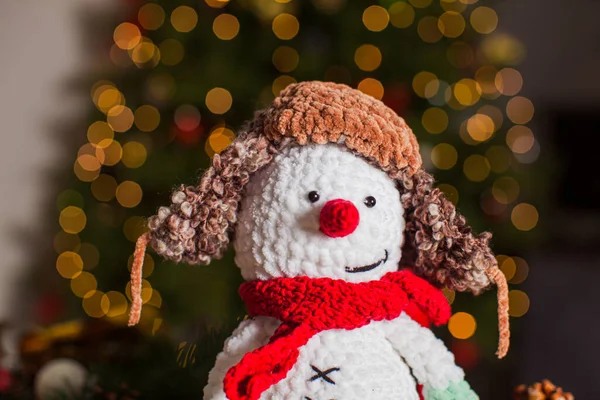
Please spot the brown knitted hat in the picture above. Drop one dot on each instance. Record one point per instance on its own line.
(438, 244)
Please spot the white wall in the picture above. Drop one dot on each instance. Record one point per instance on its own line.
(40, 48)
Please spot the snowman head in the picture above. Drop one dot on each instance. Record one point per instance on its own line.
(319, 211)
(326, 182)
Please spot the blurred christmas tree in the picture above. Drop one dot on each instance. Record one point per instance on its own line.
(179, 77)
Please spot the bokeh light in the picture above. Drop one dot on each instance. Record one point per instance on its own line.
(127, 36)
(402, 15)
(460, 54)
(494, 113)
(520, 139)
(428, 29)
(226, 26)
(146, 118)
(367, 57)
(502, 49)
(451, 24)
(420, 3)
(435, 120)
(521, 271)
(480, 127)
(519, 110)
(486, 77)
(375, 18)
(85, 175)
(372, 87)
(450, 192)
(518, 303)
(104, 187)
(114, 304)
(64, 241)
(151, 16)
(524, 217)
(92, 304)
(134, 154)
(285, 26)
(484, 20)
(421, 81)
(285, 59)
(100, 132)
(467, 92)
(112, 152)
(161, 87)
(462, 325)
(89, 254)
(134, 227)
(129, 194)
(444, 156)
(69, 264)
(218, 140)
(217, 3)
(106, 97)
(476, 168)
(505, 190)
(145, 55)
(83, 284)
(120, 118)
(187, 117)
(72, 219)
(69, 197)
(449, 294)
(280, 83)
(218, 100)
(184, 19)
(508, 81)
(507, 266)
(171, 52)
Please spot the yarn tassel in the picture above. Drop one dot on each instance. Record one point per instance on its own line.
(497, 276)
(136, 279)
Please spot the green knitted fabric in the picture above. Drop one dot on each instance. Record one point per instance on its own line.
(455, 391)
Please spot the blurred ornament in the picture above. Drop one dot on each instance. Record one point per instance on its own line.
(466, 353)
(544, 390)
(397, 97)
(61, 377)
(49, 308)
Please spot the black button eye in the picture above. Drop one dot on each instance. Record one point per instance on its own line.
(370, 201)
(314, 196)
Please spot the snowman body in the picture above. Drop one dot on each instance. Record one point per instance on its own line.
(355, 364)
(280, 234)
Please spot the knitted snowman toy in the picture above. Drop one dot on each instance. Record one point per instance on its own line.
(344, 244)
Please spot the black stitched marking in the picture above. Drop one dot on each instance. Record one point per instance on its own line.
(323, 374)
(368, 267)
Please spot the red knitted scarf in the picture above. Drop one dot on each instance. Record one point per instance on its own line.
(307, 306)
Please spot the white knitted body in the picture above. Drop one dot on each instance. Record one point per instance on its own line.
(278, 235)
(369, 363)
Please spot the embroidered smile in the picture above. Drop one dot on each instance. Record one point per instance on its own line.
(365, 268)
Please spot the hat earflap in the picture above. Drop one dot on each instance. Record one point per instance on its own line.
(198, 224)
(442, 247)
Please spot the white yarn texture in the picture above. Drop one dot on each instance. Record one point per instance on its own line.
(277, 233)
(278, 236)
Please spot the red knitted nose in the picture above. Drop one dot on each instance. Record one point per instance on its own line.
(339, 218)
